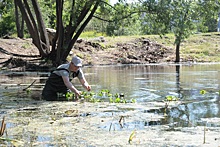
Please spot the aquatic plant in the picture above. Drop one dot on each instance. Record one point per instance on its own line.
(89, 97)
(14, 142)
(171, 98)
(105, 93)
(168, 99)
(70, 96)
(28, 91)
(131, 136)
(119, 98)
(203, 92)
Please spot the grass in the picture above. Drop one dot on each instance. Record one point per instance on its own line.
(91, 34)
(203, 47)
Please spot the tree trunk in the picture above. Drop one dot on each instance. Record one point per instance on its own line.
(42, 29)
(32, 27)
(70, 45)
(66, 36)
(177, 52)
(20, 27)
(60, 31)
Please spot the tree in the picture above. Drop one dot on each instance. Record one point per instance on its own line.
(182, 22)
(155, 16)
(68, 27)
(174, 16)
(208, 15)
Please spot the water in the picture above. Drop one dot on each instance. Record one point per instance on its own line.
(32, 120)
(153, 82)
(145, 83)
(148, 83)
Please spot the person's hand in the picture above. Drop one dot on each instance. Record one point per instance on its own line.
(87, 86)
(77, 93)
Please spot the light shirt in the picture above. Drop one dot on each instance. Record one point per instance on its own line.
(65, 73)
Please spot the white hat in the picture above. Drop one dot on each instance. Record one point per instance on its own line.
(76, 61)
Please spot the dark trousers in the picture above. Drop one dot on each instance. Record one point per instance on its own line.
(53, 86)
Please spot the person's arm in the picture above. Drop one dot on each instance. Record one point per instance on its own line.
(85, 84)
(70, 86)
(83, 81)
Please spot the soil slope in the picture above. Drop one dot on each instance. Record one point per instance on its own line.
(21, 52)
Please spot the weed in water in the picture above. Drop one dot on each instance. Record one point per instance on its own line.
(203, 92)
(105, 93)
(171, 98)
(131, 136)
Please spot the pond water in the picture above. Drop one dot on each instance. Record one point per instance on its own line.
(144, 83)
(147, 83)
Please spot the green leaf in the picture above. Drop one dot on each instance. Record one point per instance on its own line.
(203, 92)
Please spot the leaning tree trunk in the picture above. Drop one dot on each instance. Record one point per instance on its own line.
(73, 40)
(40, 40)
(42, 29)
(82, 12)
(66, 36)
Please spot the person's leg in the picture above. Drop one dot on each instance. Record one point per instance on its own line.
(48, 94)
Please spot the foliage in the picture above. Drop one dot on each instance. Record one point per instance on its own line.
(155, 17)
(203, 92)
(91, 34)
(48, 8)
(99, 96)
(7, 25)
(179, 17)
(208, 15)
(117, 20)
(171, 98)
(182, 20)
(7, 19)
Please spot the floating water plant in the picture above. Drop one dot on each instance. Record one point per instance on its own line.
(89, 97)
(133, 100)
(70, 96)
(168, 99)
(171, 98)
(105, 93)
(203, 92)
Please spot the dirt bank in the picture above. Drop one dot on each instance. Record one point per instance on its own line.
(137, 51)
